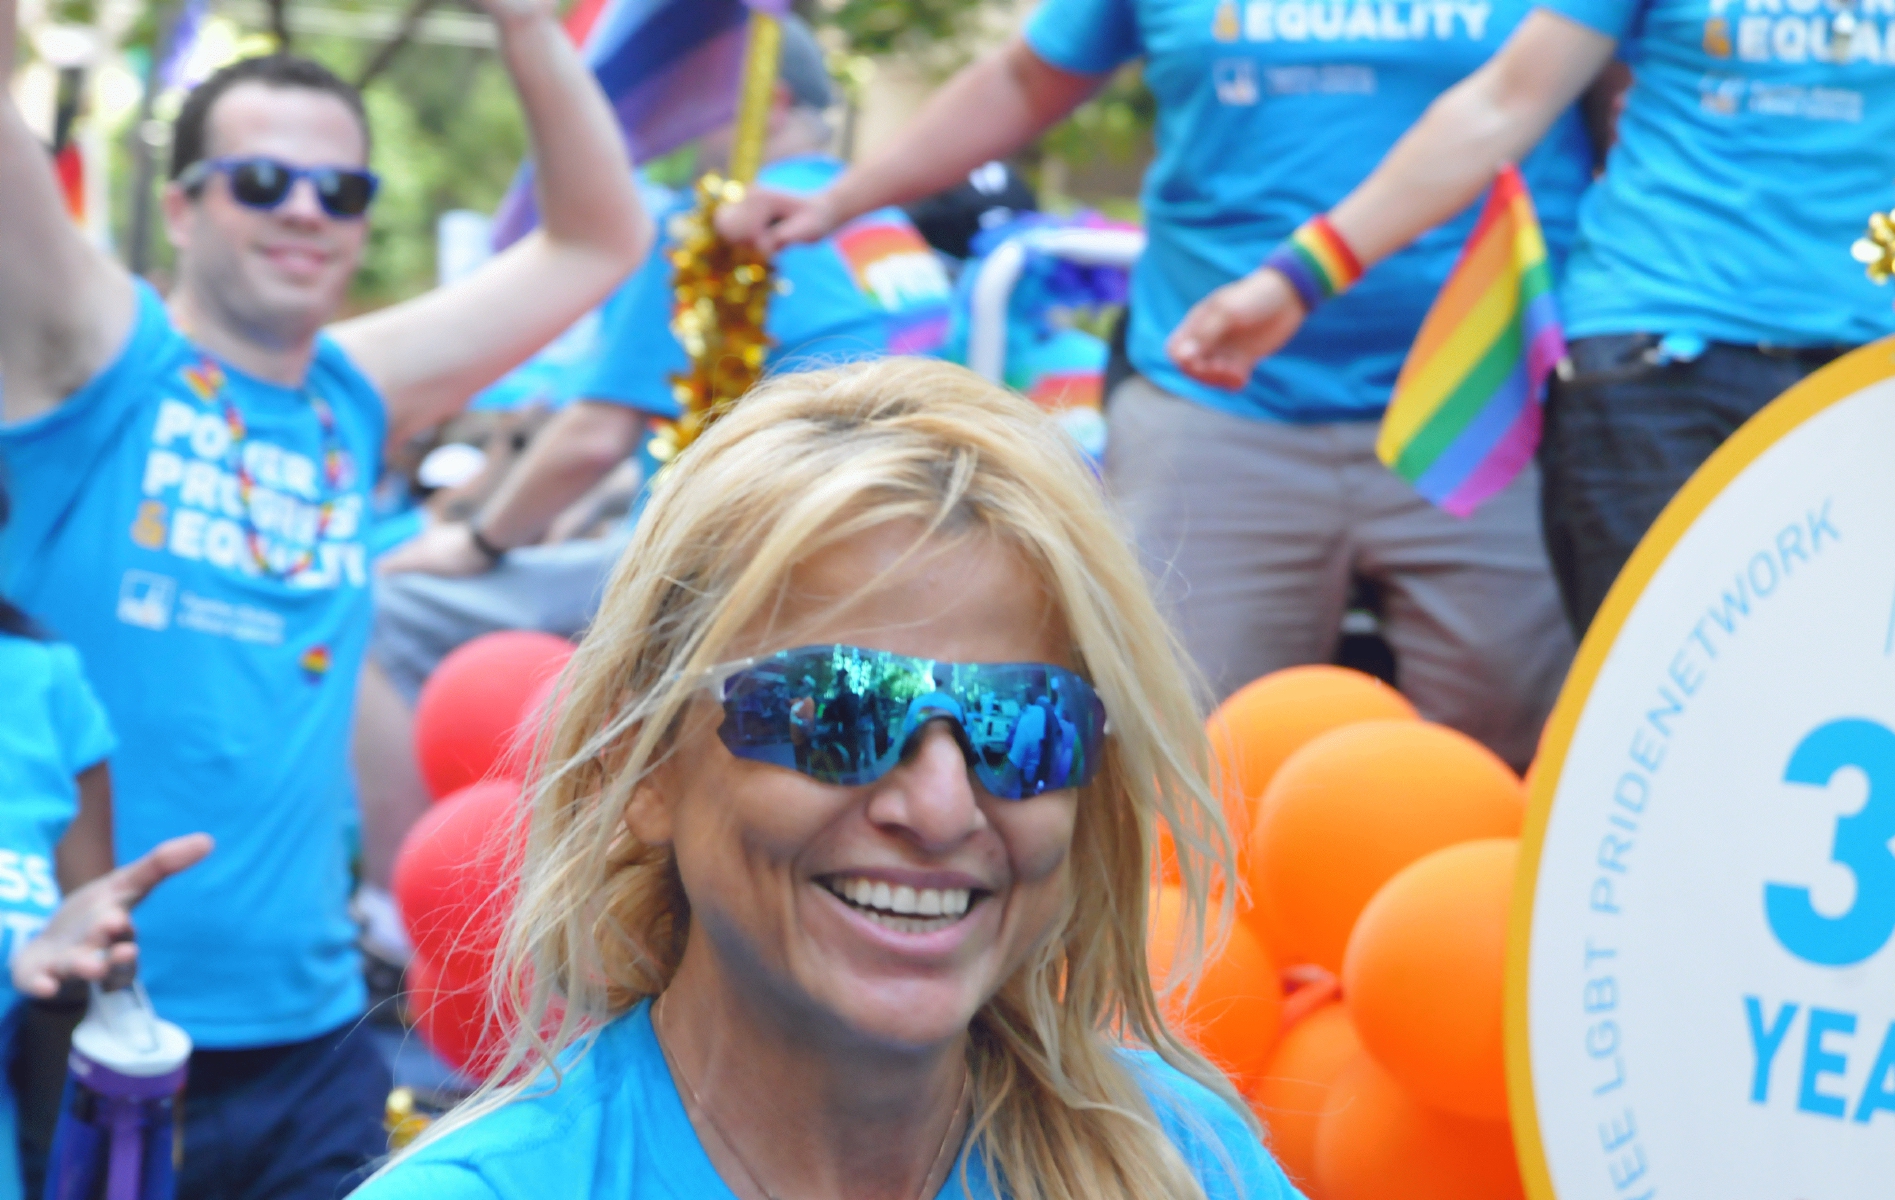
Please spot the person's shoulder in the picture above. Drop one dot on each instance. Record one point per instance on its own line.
(556, 1129)
(335, 372)
(419, 1179)
(1217, 1141)
(30, 666)
(152, 348)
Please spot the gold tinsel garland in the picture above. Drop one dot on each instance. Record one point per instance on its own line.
(1875, 250)
(722, 296)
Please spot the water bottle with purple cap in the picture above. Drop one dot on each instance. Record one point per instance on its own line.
(117, 1134)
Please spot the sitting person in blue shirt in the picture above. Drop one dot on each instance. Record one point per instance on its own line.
(1711, 270)
(873, 288)
(804, 937)
(192, 478)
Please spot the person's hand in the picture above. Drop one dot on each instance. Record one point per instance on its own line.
(447, 550)
(89, 936)
(772, 220)
(1226, 334)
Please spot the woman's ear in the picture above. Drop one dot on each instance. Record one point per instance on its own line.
(648, 812)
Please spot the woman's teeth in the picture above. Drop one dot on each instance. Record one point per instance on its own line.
(900, 907)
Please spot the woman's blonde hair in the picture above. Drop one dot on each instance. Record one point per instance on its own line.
(803, 462)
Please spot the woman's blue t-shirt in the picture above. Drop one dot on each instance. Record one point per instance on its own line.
(51, 729)
(616, 1129)
(1747, 162)
(1269, 112)
(141, 508)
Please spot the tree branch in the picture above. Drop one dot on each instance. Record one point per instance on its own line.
(404, 33)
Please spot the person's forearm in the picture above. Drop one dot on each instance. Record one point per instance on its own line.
(583, 178)
(577, 448)
(991, 109)
(1494, 116)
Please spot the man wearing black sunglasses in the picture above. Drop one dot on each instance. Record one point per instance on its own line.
(191, 478)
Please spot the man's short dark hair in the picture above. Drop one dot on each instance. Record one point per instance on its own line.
(191, 131)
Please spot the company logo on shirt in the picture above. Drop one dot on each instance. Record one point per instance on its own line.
(1355, 21)
(892, 263)
(192, 506)
(145, 599)
(1798, 31)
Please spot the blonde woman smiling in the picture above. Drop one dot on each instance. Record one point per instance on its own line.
(837, 886)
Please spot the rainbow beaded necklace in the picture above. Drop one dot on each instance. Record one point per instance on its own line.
(212, 385)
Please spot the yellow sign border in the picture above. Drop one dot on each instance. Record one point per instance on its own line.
(1838, 381)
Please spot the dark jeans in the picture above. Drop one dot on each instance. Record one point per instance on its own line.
(1624, 433)
(291, 1122)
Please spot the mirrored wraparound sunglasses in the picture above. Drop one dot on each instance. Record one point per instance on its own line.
(264, 183)
(846, 715)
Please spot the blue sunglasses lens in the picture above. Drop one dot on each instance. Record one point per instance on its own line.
(845, 715)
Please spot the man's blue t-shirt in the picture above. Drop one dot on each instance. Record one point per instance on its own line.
(1747, 162)
(51, 730)
(616, 1129)
(141, 508)
(1269, 112)
(871, 288)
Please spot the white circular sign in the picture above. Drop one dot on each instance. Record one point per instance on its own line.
(1702, 978)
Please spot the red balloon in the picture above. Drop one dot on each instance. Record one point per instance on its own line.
(456, 875)
(468, 720)
(453, 1014)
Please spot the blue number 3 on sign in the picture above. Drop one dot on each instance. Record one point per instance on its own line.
(1862, 846)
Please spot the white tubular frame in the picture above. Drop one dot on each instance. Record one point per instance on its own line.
(1001, 271)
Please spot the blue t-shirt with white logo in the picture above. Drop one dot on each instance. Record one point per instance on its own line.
(1269, 112)
(871, 288)
(197, 534)
(51, 730)
(1747, 162)
(616, 1129)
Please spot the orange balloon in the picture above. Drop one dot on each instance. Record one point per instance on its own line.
(1267, 720)
(1235, 1012)
(1356, 805)
(1291, 1096)
(1377, 1142)
(1425, 972)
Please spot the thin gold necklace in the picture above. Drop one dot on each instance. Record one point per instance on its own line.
(731, 1143)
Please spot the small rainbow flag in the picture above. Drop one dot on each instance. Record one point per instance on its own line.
(1465, 416)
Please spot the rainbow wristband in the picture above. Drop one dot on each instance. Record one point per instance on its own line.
(1316, 261)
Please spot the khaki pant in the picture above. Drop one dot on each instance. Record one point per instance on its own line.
(1254, 530)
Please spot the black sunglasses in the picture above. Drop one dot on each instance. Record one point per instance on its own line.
(264, 183)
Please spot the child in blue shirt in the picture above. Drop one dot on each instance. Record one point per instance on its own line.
(55, 835)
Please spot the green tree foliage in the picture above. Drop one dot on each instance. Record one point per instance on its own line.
(879, 27)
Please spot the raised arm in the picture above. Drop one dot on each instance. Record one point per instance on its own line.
(1494, 116)
(576, 449)
(64, 306)
(430, 354)
(992, 108)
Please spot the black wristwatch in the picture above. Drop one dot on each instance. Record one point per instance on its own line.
(494, 554)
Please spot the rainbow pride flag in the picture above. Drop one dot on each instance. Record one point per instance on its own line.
(1465, 416)
(670, 69)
